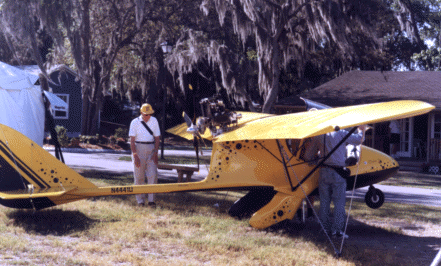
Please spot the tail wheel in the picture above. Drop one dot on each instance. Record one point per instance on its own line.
(374, 198)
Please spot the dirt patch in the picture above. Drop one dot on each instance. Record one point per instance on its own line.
(397, 241)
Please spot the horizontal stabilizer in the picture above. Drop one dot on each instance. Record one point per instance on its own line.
(36, 193)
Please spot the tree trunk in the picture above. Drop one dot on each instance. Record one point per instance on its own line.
(85, 113)
(273, 80)
(96, 116)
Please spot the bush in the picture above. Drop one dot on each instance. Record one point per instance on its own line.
(74, 143)
(63, 139)
(112, 140)
(83, 139)
(92, 140)
(121, 133)
(102, 139)
(121, 142)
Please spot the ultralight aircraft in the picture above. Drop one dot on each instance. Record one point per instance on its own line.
(257, 152)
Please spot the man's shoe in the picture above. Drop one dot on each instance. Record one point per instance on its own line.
(340, 234)
(152, 204)
(141, 204)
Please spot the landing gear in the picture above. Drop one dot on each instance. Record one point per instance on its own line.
(374, 198)
(251, 202)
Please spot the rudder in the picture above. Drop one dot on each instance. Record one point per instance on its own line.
(24, 165)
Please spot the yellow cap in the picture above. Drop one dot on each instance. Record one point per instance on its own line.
(146, 109)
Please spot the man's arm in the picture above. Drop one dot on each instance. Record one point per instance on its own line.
(155, 152)
(357, 138)
(135, 154)
(132, 145)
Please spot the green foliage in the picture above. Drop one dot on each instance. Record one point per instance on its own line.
(63, 139)
(112, 140)
(121, 133)
(89, 139)
(74, 142)
(83, 138)
(429, 59)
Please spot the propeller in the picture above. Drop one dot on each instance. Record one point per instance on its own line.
(193, 129)
(188, 121)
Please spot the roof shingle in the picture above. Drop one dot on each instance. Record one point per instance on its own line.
(360, 87)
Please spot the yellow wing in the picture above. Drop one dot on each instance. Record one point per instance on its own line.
(313, 123)
(181, 130)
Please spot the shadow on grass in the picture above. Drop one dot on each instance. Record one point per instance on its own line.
(366, 245)
(51, 222)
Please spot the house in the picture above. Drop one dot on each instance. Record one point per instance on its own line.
(65, 85)
(420, 136)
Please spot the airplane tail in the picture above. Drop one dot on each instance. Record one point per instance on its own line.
(30, 177)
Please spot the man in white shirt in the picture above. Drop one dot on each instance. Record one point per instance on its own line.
(394, 132)
(144, 136)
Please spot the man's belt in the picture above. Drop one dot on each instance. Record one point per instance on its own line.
(145, 142)
(342, 171)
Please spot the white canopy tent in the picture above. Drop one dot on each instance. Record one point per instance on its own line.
(21, 102)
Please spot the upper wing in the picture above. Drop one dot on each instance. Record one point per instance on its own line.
(181, 130)
(313, 123)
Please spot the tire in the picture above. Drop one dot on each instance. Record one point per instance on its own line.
(374, 198)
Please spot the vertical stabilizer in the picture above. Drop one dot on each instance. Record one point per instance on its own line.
(24, 165)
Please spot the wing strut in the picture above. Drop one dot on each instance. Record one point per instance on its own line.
(284, 165)
(309, 202)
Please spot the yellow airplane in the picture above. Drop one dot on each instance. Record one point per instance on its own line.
(258, 152)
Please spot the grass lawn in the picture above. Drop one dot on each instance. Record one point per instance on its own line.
(193, 228)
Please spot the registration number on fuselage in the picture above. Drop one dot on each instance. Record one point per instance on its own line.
(122, 190)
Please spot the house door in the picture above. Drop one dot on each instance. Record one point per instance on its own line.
(406, 127)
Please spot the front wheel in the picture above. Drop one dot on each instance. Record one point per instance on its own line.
(374, 198)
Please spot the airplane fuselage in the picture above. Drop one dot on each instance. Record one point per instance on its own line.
(35, 179)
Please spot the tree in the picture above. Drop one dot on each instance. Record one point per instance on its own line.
(286, 30)
(420, 21)
(95, 31)
(22, 34)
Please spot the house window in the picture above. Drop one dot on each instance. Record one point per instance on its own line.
(436, 126)
(61, 113)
